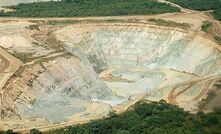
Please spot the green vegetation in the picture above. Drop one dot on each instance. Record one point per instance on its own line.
(207, 26)
(61, 22)
(35, 131)
(148, 118)
(8, 132)
(218, 39)
(208, 99)
(21, 56)
(151, 118)
(217, 11)
(74, 8)
(201, 5)
(34, 27)
(67, 22)
(170, 23)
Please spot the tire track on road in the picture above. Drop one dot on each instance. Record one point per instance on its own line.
(5, 64)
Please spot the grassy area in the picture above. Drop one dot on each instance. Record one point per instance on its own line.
(201, 5)
(74, 8)
(149, 118)
(207, 26)
(24, 57)
(170, 23)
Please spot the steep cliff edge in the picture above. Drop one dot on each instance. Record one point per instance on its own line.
(107, 66)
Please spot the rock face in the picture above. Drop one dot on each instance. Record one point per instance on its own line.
(136, 58)
(51, 89)
(110, 45)
(108, 66)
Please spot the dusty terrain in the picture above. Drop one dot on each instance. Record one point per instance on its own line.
(61, 71)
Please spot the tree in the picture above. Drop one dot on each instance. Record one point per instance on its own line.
(35, 131)
(9, 131)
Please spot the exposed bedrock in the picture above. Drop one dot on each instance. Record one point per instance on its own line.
(136, 58)
(52, 89)
(111, 64)
(131, 45)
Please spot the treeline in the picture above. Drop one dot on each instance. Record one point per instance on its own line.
(74, 8)
(201, 5)
(148, 118)
(151, 118)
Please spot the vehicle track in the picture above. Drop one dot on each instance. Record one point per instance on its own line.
(208, 82)
(5, 64)
(172, 96)
(176, 5)
(216, 24)
(204, 89)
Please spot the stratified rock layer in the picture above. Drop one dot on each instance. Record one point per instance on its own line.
(138, 58)
(109, 66)
(131, 45)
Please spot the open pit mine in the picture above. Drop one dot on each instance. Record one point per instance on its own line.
(57, 75)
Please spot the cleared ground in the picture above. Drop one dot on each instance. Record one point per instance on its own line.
(8, 65)
(105, 64)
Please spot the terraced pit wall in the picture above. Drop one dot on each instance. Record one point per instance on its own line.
(110, 66)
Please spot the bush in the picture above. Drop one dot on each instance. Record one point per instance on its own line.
(206, 26)
(9, 132)
(35, 131)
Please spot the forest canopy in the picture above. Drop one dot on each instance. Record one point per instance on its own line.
(151, 118)
(74, 8)
(147, 118)
(201, 5)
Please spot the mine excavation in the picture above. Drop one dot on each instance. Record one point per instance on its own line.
(59, 72)
(82, 71)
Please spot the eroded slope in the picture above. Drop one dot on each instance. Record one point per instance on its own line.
(138, 58)
(104, 67)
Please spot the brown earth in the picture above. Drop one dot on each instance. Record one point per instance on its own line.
(9, 64)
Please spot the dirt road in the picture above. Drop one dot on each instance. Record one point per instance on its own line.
(216, 24)
(4, 64)
(175, 5)
(9, 63)
(172, 95)
(183, 87)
